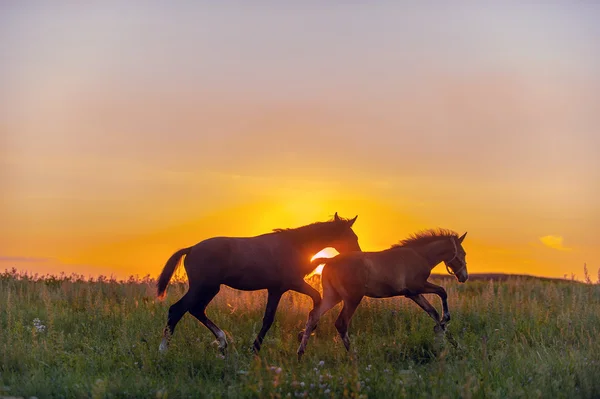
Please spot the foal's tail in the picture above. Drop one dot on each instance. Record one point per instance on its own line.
(320, 261)
(168, 271)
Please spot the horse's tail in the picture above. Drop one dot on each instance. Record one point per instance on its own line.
(168, 271)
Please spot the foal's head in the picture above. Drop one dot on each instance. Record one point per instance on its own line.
(457, 265)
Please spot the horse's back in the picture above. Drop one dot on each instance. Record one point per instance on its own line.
(247, 263)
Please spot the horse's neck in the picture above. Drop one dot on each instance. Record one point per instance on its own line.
(306, 244)
(437, 252)
(311, 247)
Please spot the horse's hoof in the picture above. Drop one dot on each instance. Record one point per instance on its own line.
(163, 346)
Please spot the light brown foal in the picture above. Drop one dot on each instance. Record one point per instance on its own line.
(402, 270)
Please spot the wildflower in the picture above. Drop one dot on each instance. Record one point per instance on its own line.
(321, 363)
(277, 370)
(368, 368)
(386, 370)
(326, 391)
(302, 384)
(37, 324)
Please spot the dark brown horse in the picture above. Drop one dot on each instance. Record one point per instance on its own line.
(402, 270)
(276, 261)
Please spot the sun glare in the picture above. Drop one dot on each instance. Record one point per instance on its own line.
(325, 253)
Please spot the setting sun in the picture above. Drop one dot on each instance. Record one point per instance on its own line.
(325, 253)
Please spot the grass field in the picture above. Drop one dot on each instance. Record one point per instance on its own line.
(523, 337)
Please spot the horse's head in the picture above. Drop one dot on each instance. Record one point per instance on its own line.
(457, 265)
(343, 238)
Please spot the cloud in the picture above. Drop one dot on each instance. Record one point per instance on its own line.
(554, 242)
(23, 259)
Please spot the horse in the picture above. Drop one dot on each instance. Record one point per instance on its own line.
(275, 261)
(401, 270)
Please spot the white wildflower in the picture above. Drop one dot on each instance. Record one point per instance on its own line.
(37, 324)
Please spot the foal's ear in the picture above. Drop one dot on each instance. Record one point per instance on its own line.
(351, 221)
(336, 217)
(461, 238)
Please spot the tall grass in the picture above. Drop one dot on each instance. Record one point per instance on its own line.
(70, 338)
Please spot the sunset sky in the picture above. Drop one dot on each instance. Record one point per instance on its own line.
(130, 131)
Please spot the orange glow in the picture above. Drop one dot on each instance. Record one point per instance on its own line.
(325, 253)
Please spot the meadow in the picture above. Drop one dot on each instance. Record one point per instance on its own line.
(66, 337)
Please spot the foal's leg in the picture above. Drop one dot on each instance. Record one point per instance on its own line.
(420, 300)
(428, 307)
(198, 310)
(343, 320)
(330, 299)
(441, 292)
(272, 303)
(306, 289)
(176, 312)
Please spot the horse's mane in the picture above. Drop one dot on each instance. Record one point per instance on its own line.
(329, 227)
(316, 226)
(425, 237)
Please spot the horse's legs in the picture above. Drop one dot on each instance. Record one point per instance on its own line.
(330, 299)
(441, 292)
(176, 312)
(272, 304)
(343, 320)
(431, 311)
(198, 310)
(306, 289)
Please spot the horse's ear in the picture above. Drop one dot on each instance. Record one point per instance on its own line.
(351, 222)
(336, 217)
(461, 238)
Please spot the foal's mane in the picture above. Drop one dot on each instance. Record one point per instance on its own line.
(425, 237)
